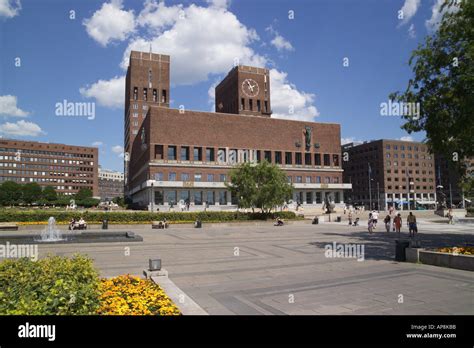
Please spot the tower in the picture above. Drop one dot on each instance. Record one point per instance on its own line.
(147, 83)
(245, 90)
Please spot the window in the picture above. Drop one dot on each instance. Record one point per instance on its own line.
(172, 176)
(265, 107)
(278, 157)
(307, 159)
(288, 158)
(222, 178)
(402, 147)
(298, 158)
(155, 96)
(327, 179)
(289, 179)
(242, 104)
(184, 196)
(335, 160)
(184, 153)
(299, 179)
(145, 94)
(388, 147)
(317, 159)
(326, 160)
(308, 180)
(135, 114)
(198, 154)
(309, 197)
(251, 104)
(335, 180)
(163, 96)
(210, 155)
(210, 197)
(210, 177)
(222, 197)
(395, 147)
(259, 107)
(197, 177)
(185, 177)
(172, 153)
(268, 156)
(159, 176)
(135, 106)
(135, 93)
(197, 197)
(318, 179)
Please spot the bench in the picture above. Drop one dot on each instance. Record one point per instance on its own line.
(159, 224)
(8, 226)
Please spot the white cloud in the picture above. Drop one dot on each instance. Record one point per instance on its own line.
(287, 101)
(8, 106)
(157, 16)
(110, 23)
(97, 143)
(407, 138)
(20, 128)
(350, 140)
(409, 9)
(9, 8)
(205, 42)
(118, 150)
(412, 31)
(219, 3)
(108, 93)
(433, 23)
(279, 42)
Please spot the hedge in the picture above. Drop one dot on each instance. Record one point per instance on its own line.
(53, 285)
(138, 217)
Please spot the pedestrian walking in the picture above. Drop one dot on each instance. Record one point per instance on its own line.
(375, 217)
(411, 222)
(350, 218)
(387, 223)
(397, 222)
(370, 224)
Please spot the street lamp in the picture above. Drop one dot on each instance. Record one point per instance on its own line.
(152, 198)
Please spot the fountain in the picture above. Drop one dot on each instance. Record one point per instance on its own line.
(51, 233)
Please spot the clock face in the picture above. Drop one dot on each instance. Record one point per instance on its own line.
(250, 88)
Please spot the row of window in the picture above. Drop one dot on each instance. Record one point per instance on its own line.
(408, 147)
(400, 187)
(410, 164)
(36, 173)
(154, 95)
(49, 153)
(276, 157)
(186, 197)
(249, 104)
(311, 180)
(405, 179)
(409, 155)
(308, 198)
(172, 176)
(40, 167)
(20, 179)
(19, 158)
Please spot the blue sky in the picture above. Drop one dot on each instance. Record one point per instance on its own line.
(80, 59)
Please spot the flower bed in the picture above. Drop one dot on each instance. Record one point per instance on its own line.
(128, 295)
(71, 286)
(457, 250)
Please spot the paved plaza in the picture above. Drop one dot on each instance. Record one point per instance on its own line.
(262, 269)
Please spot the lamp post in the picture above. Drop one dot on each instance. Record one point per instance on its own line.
(151, 198)
(378, 196)
(370, 187)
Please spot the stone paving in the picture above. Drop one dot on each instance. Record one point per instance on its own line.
(262, 269)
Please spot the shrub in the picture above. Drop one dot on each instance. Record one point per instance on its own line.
(53, 285)
(137, 217)
(128, 295)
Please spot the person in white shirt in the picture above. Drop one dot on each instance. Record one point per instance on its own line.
(375, 217)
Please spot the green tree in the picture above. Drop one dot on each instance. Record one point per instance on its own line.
(31, 193)
(10, 193)
(49, 194)
(263, 186)
(83, 193)
(443, 84)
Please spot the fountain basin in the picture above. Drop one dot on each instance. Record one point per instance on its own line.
(82, 237)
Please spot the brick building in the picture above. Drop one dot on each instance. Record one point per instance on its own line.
(110, 184)
(185, 156)
(400, 173)
(66, 168)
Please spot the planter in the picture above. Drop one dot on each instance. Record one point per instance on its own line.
(435, 258)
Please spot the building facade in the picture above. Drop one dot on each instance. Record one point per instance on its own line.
(388, 173)
(66, 168)
(448, 180)
(147, 83)
(183, 156)
(110, 184)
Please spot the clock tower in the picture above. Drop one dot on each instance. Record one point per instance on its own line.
(246, 91)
